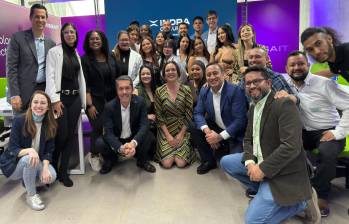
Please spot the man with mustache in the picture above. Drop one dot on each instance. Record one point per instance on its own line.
(323, 128)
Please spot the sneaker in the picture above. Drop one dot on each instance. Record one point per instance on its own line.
(324, 208)
(95, 162)
(35, 202)
(312, 211)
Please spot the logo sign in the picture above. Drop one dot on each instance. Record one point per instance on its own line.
(174, 23)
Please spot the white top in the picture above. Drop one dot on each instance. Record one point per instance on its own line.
(217, 113)
(36, 140)
(125, 117)
(211, 40)
(320, 98)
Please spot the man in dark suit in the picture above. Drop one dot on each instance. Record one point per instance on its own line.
(125, 128)
(220, 118)
(26, 60)
(273, 162)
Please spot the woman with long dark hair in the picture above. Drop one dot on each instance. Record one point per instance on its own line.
(65, 84)
(200, 53)
(196, 79)
(29, 154)
(226, 54)
(100, 71)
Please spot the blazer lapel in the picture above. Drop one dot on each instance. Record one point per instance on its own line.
(223, 98)
(210, 106)
(31, 43)
(42, 137)
(118, 115)
(131, 62)
(132, 111)
(266, 111)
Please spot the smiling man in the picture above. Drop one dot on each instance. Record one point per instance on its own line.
(273, 162)
(320, 44)
(26, 60)
(210, 36)
(323, 127)
(220, 118)
(125, 129)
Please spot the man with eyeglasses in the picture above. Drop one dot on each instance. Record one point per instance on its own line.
(210, 36)
(220, 119)
(273, 162)
(323, 127)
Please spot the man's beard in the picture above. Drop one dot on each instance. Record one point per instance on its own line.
(299, 77)
(264, 92)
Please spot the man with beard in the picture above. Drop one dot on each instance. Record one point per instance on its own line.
(323, 128)
(273, 162)
(324, 46)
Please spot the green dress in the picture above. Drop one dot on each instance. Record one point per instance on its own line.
(174, 115)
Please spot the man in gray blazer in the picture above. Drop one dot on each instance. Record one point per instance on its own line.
(273, 162)
(26, 60)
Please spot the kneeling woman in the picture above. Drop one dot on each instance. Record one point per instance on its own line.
(173, 108)
(30, 149)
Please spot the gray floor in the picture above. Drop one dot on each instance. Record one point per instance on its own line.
(128, 195)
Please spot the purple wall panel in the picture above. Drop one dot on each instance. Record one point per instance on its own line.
(277, 26)
(83, 25)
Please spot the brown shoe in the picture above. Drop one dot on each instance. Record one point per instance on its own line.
(324, 207)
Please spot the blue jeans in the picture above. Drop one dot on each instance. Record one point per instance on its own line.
(263, 208)
(30, 175)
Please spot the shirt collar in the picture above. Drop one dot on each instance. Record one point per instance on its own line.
(212, 32)
(263, 100)
(125, 108)
(219, 91)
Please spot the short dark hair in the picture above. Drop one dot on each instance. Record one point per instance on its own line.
(211, 12)
(264, 72)
(296, 53)
(215, 63)
(135, 22)
(198, 18)
(123, 77)
(37, 6)
(183, 23)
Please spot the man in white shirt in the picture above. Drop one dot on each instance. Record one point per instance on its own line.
(125, 128)
(210, 36)
(323, 127)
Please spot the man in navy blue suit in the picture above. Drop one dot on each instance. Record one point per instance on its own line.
(220, 118)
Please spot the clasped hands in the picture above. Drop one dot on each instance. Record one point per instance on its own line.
(128, 149)
(175, 142)
(213, 138)
(255, 173)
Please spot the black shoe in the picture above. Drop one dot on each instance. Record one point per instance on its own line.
(205, 168)
(66, 181)
(147, 167)
(106, 167)
(250, 193)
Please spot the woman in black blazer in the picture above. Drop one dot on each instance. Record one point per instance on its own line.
(29, 154)
(100, 71)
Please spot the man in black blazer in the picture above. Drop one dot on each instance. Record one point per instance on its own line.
(273, 162)
(26, 60)
(125, 128)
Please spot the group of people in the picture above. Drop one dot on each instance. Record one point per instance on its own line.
(161, 100)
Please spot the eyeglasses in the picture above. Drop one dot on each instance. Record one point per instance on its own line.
(255, 82)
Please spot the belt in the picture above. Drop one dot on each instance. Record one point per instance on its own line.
(68, 92)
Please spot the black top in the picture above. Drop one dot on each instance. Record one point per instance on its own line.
(109, 89)
(123, 63)
(70, 71)
(341, 64)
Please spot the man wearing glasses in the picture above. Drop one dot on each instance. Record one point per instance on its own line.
(273, 162)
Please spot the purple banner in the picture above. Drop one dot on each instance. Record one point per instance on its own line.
(83, 25)
(332, 13)
(277, 27)
(14, 18)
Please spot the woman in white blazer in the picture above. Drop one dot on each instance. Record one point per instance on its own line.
(65, 84)
(128, 60)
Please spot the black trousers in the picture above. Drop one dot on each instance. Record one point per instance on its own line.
(326, 160)
(142, 149)
(67, 126)
(208, 154)
(97, 123)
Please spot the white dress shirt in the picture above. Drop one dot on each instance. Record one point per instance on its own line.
(211, 40)
(126, 127)
(320, 98)
(217, 113)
